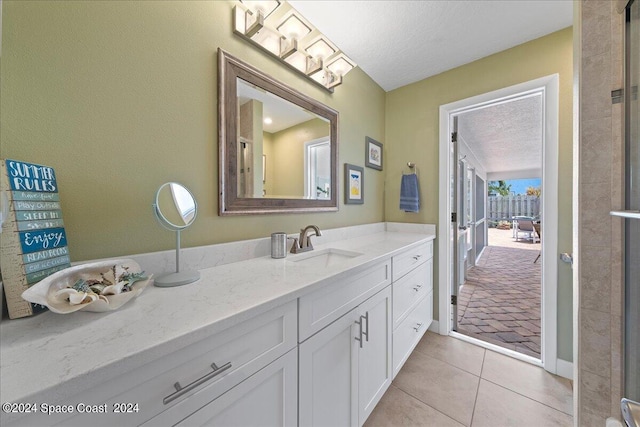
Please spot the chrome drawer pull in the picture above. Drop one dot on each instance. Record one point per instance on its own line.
(182, 390)
(417, 288)
(417, 328)
(417, 257)
(359, 338)
(366, 322)
(366, 334)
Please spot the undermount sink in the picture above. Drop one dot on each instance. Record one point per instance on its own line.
(324, 257)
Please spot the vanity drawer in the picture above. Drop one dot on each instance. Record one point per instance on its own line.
(267, 398)
(335, 299)
(247, 347)
(408, 260)
(410, 289)
(408, 333)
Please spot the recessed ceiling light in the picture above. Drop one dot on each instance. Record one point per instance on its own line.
(267, 120)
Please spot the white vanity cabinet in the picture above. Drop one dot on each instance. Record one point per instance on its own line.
(267, 398)
(412, 300)
(345, 350)
(346, 367)
(319, 348)
(257, 346)
(237, 352)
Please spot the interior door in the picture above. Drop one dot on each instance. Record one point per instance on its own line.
(454, 206)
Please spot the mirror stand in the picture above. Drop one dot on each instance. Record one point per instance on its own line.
(178, 278)
(175, 209)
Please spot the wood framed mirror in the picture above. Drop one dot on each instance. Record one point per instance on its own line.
(278, 148)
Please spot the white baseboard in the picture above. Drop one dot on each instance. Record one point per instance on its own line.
(434, 327)
(564, 368)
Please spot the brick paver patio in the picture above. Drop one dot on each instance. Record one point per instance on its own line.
(500, 301)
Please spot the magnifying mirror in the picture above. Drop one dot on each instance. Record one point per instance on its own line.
(176, 209)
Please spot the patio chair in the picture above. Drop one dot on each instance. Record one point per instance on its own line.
(525, 226)
(514, 223)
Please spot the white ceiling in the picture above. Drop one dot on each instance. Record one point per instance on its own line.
(283, 114)
(506, 137)
(398, 42)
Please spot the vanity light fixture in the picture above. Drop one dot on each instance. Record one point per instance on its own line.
(280, 30)
(268, 39)
(340, 65)
(321, 48)
(257, 12)
(293, 28)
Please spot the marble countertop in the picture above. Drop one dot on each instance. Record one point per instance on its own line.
(50, 357)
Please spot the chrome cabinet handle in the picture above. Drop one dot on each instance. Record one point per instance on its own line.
(362, 332)
(417, 328)
(359, 337)
(203, 379)
(417, 288)
(366, 323)
(417, 257)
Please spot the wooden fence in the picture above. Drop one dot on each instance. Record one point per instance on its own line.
(504, 208)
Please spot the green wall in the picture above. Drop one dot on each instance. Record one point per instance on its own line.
(412, 132)
(120, 97)
(288, 150)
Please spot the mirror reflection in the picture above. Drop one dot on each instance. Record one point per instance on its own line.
(278, 146)
(283, 151)
(175, 205)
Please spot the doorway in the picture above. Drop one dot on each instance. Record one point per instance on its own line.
(463, 224)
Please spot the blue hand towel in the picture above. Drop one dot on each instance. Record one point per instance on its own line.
(409, 193)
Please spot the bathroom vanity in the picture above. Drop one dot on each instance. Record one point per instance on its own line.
(311, 339)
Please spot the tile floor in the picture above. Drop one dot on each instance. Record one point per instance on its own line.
(500, 300)
(449, 382)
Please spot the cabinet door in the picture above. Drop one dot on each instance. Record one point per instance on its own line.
(267, 398)
(328, 375)
(375, 367)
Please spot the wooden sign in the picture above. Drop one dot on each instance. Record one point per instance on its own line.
(34, 243)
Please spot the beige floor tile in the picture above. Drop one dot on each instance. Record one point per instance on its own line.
(456, 352)
(499, 407)
(528, 380)
(397, 408)
(444, 387)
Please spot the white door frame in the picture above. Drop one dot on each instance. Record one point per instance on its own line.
(549, 88)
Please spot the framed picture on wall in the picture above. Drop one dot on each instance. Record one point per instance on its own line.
(373, 154)
(353, 184)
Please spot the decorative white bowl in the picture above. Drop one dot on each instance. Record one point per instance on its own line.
(44, 291)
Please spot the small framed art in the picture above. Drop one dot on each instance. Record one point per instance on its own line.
(373, 154)
(353, 184)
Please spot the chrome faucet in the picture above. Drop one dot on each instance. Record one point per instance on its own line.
(303, 244)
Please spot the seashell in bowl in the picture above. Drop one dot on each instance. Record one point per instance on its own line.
(58, 294)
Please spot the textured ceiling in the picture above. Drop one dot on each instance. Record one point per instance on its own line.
(506, 137)
(400, 41)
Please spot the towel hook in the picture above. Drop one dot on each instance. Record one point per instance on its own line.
(413, 167)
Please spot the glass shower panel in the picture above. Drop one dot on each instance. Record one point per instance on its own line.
(632, 226)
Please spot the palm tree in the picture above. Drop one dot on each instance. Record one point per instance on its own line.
(533, 191)
(499, 187)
